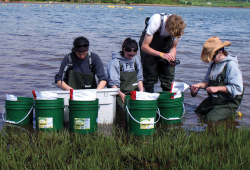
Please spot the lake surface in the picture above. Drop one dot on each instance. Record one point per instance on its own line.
(36, 37)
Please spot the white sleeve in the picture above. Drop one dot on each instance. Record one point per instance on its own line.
(153, 24)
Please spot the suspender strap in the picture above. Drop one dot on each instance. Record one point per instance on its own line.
(162, 18)
(70, 64)
(90, 62)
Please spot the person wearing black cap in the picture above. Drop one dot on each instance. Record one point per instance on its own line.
(79, 68)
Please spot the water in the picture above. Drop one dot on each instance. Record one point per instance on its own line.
(35, 38)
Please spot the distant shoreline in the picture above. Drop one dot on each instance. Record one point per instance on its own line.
(51, 2)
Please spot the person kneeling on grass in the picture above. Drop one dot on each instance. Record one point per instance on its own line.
(223, 82)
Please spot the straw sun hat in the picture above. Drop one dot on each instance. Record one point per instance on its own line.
(211, 46)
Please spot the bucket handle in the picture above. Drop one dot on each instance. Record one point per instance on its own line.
(158, 111)
(12, 122)
(174, 118)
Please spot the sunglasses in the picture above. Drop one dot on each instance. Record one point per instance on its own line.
(82, 45)
(215, 54)
(131, 50)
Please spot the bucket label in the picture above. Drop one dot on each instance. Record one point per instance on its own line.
(45, 122)
(82, 123)
(147, 123)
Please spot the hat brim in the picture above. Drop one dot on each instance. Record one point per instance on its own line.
(208, 56)
(205, 55)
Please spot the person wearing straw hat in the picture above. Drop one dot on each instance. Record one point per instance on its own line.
(223, 82)
(79, 68)
(158, 43)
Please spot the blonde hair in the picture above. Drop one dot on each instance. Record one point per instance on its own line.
(175, 25)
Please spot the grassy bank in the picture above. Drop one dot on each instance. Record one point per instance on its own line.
(169, 149)
(216, 3)
(238, 4)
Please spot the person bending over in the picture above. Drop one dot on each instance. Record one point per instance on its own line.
(79, 68)
(223, 82)
(158, 44)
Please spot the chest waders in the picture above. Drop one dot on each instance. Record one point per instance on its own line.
(219, 106)
(155, 68)
(78, 80)
(129, 82)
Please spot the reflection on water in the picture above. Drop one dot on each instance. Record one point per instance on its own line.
(35, 38)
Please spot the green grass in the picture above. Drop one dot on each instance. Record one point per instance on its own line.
(173, 148)
(215, 3)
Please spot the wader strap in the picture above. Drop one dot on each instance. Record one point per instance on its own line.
(70, 64)
(223, 74)
(90, 62)
(162, 18)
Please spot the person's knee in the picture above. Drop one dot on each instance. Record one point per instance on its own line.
(218, 115)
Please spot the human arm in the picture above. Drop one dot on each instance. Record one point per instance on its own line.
(101, 84)
(140, 86)
(204, 85)
(196, 87)
(114, 73)
(99, 71)
(63, 85)
(114, 76)
(167, 56)
(233, 81)
(215, 89)
(121, 94)
(58, 76)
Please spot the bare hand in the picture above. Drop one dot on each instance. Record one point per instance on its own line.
(212, 89)
(195, 88)
(168, 56)
(122, 95)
